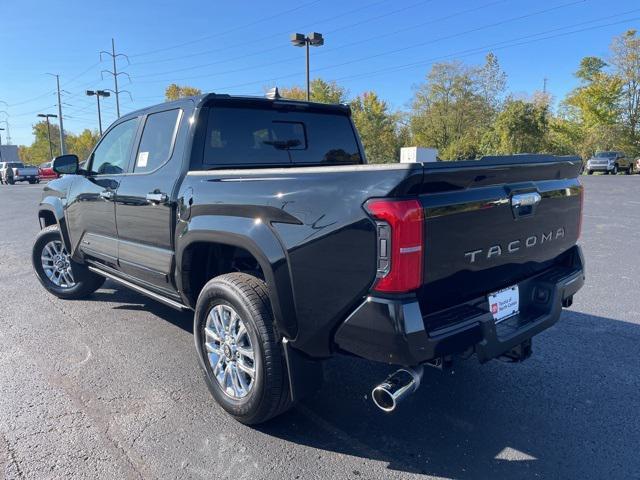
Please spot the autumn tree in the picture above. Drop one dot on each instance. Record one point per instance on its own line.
(38, 152)
(175, 91)
(377, 127)
(321, 91)
(82, 144)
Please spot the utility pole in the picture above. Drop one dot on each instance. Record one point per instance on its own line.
(60, 123)
(46, 116)
(115, 72)
(544, 85)
(6, 122)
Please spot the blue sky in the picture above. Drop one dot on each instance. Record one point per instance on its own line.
(242, 47)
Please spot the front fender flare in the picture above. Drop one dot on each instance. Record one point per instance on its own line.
(54, 206)
(258, 238)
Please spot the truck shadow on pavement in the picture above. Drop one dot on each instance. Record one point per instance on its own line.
(570, 411)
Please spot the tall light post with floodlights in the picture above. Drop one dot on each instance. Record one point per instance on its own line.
(311, 40)
(98, 94)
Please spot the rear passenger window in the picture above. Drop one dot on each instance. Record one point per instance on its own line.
(251, 135)
(157, 140)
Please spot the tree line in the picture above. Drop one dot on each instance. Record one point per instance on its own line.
(466, 112)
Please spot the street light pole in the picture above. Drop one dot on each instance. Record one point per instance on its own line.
(1, 130)
(98, 94)
(46, 116)
(311, 40)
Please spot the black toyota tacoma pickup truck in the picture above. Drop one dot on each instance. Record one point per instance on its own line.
(262, 216)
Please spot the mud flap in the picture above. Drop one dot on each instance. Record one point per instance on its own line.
(305, 375)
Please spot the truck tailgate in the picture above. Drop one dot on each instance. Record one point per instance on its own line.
(494, 222)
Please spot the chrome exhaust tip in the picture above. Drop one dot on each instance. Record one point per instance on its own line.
(398, 386)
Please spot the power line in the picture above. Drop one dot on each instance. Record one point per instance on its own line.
(388, 52)
(495, 46)
(466, 52)
(261, 39)
(323, 52)
(231, 30)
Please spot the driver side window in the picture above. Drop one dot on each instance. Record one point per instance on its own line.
(114, 151)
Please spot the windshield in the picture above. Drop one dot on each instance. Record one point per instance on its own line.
(15, 165)
(606, 155)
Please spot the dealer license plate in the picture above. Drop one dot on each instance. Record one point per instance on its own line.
(504, 303)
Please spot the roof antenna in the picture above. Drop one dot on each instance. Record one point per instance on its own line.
(273, 94)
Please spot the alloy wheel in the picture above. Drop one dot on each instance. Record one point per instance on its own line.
(230, 351)
(56, 264)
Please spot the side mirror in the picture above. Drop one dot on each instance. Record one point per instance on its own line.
(65, 164)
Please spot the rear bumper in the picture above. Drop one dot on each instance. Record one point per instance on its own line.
(396, 331)
(24, 178)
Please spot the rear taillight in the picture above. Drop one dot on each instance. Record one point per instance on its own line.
(400, 244)
(581, 210)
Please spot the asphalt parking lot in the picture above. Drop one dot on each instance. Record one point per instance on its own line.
(109, 387)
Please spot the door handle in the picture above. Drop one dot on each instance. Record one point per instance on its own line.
(157, 197)
(106, 194)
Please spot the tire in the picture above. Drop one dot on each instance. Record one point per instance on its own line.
(589, 172)
(31, 182)
(615, 170)
(268, 394)
(629, 170)
(85, 282)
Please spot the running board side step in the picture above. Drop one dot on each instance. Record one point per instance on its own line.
(139, 289)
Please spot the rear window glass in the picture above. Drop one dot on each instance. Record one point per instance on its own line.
(157, 140)
(243, 135)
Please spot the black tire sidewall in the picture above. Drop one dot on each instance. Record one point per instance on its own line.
(222, 293)
(86, 281)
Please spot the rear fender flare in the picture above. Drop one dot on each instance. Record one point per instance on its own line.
(258, 238)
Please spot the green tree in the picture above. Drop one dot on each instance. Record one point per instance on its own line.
(521, 127)
(321, 91)
(625, 58)
(175, 91)
(450, 110)
(377, 127)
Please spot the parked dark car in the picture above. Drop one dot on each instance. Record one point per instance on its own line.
(610, 163)
(262, 216)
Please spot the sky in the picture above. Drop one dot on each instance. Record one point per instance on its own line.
(243, 48)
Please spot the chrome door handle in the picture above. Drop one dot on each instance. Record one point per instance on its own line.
(157, 197)
(106, 194)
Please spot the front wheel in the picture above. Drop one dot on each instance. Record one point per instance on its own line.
(57, 272)
(615, 170)
(239, 349)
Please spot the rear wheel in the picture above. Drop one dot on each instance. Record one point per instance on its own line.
(57, 272)
(239, 348)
